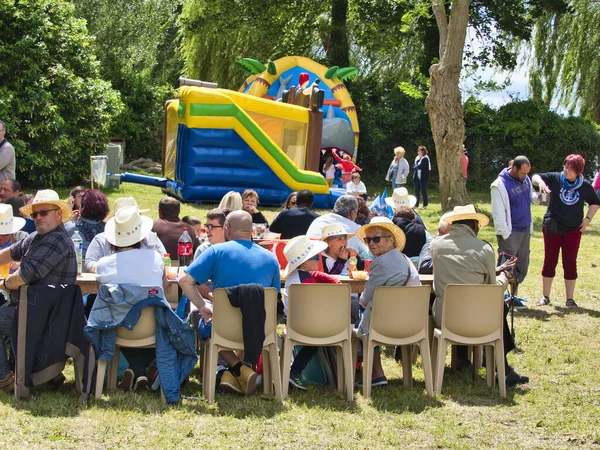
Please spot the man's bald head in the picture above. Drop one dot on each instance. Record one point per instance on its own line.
(238, 225)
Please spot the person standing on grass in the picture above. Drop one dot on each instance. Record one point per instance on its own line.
(398, 170)
(7, 156)
(512, 196)
(564, 222)
(422, 168)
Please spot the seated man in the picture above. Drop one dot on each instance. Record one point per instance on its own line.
(9, 188)
(416, 234)
(235, 262)
(295, 221)
(47, 256)
(459, 257)
(169, 227)
(425, 265)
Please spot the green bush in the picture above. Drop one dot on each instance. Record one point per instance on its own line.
(57, 108)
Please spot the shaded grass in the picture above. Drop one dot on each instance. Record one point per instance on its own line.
(559, 408)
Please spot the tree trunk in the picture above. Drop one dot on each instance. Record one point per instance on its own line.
(339, 51)
(444, 104)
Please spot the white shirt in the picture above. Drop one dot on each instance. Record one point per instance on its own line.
(143, 267)
(359, 188)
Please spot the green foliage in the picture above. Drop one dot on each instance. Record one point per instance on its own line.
(57, 108)
(137, 46)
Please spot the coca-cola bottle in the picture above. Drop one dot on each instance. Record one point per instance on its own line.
(185, 249)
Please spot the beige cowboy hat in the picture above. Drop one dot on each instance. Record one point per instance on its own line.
(8, 223)
(400, 197)
(48, 197)
(466, 212)
(127, 227)
(299, 250)
(127, 201)
(335, 229)
(383, 222)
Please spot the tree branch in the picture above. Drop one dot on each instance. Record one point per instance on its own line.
(439, 11)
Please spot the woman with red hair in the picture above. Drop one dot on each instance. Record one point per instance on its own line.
(564, 222)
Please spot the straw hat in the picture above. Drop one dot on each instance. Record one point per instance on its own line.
(127, 227)
(8, 223)
(127, 201)
(48, 197)
(335, 229)
(299, 250)
(400, 197)
(386, 223)
(466, 212)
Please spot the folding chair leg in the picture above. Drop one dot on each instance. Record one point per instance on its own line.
(407, 351)
(499, 352)
(348, 378)
(113, 367)
(266, 373)
(440, 365)
(427, 372)
(100, 371)
(489, 365)
(286, 363)
(368, 355)
(339, 357)
(275, 372)
(211, 379)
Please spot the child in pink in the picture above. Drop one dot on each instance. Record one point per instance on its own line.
(346, 165)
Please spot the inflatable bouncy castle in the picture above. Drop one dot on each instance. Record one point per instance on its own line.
(217, 140)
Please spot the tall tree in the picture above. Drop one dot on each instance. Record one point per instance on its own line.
(444, 102)
(565, 65)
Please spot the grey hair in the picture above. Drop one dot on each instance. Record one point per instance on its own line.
(3, 125)
(345, 205)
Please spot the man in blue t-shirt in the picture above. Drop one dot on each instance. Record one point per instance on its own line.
(234, 262)
(512, 196)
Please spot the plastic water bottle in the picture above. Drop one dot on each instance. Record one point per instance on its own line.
(185, 249)
(78, 243)
(167, 259)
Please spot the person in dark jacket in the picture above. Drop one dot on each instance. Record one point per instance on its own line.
(422, 167)
(404, 218)
(169, 227)
(295, 221)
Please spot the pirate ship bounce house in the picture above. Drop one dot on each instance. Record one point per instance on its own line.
(268, 136)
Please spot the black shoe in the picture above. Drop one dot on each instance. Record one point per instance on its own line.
(55, 383)
(513, 378)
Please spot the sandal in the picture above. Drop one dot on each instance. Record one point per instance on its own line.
(571, 303)
(543, 301)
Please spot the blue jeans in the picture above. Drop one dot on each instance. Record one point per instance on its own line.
(6, 319)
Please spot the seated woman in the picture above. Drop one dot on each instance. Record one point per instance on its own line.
(250, 202)
(356, 187)
(302, 255)
(363, 215)
(336, 256)
(290, 202)
(416, 235)
(130, 263)
(93, 211)
(390, 268)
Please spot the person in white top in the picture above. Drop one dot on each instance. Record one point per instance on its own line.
(356, 187)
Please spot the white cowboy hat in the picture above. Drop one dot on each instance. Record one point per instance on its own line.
(400, 197)
(8, 223)
(386, 223)
(49, 197)
(127, 227)
(299, 250)
(127, 201)
(335, 229)
(466, 212)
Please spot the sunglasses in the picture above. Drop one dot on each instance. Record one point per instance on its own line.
(43, 213)
(210, 227)
(376, 239)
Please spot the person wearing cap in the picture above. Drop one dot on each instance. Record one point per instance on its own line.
(235, 262)
(336, 255)
(345, 211)
(460, 257)
(389, 268)
(100, 246)
(141, 270)
(564, 222)
(400, 197)
(302, 255)
(47, 256)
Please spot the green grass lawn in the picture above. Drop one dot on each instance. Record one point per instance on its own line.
(559, 408)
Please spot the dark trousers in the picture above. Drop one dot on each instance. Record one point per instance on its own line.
(421, 188)
(569, 244)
